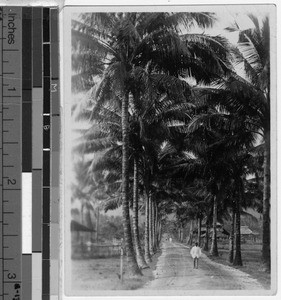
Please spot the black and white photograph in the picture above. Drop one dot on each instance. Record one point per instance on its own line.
(169, 150)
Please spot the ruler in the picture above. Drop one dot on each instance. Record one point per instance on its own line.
(29, 153)
(10, 152)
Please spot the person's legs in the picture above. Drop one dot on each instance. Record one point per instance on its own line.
(196, 262)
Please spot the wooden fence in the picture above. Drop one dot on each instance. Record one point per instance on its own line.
(94, 251)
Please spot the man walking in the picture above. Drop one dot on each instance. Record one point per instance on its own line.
(195, 253)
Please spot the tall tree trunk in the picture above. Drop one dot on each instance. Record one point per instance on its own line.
(214, 245)
(199, 231)
(97, 224)
(153, 227)
(190, 236)
(82, 233)
(237, 261)
(231, 237)
(160, 231)
(155, 245)
(146, 230)
(206, 244)
(157, 230)
(139, 255)
(150, 226)
(133, 268)
(181, 233)
(266, 204)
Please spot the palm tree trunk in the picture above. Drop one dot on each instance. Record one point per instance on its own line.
(266, 204)
(206, 244)
(214, 245)
(146, 231)
(82, 222)
(133, 268)
(97, 224)
(150, 226)
(199, 231)
(181, 233)
(139, 256)
(157, 230)
(155, 227)
(160, 232)
(190, 236)
(231, 238)
(237, 261)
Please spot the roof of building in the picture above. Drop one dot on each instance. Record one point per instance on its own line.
(245, 230)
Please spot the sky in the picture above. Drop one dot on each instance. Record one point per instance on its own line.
(228, 14)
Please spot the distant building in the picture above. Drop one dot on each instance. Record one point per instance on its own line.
(80, 238)
(247, 234)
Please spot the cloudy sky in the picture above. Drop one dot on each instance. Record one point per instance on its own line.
(228, 14)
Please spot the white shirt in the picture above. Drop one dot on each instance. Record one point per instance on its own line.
(195, 252)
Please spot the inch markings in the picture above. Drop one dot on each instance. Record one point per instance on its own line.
(10, 153)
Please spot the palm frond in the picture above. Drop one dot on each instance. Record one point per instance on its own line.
(112, 203)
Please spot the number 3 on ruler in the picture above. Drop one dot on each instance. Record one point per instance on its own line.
(11, 276)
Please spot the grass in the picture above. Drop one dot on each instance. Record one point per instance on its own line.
(139, 282)
(251, 258)
(104, 274)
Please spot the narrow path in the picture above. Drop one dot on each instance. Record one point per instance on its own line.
(174, 271)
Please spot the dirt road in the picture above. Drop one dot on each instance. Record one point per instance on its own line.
(174, 271)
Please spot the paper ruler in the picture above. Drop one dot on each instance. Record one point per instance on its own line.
(29, 153)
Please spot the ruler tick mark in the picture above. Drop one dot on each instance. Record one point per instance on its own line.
(10, 96)
(10, 235)
(8, 50)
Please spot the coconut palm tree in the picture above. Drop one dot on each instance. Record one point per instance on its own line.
(255, 49)
(248, 96)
